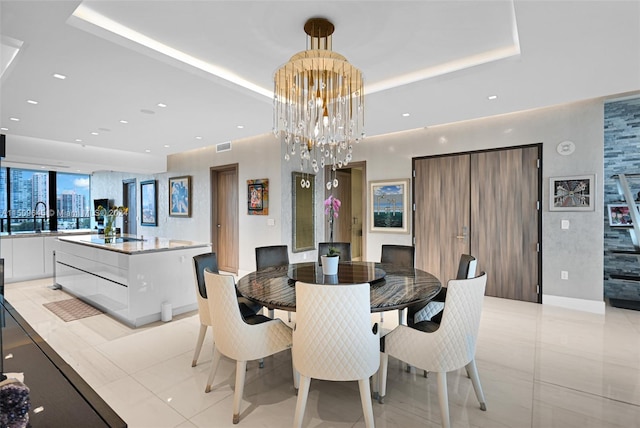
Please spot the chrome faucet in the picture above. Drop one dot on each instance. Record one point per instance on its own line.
(35, 216)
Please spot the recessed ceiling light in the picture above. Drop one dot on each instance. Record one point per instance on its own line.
(161, 105)
(198, 138)
(15, 119)
(166, 146)
(41, 167)
(78, 140)
(148, 151)
(124, 121)
(147, 111)
(32, 102)
(94, 133)
(492, 97)
(406, 114)
(59, 76)
(240, 126)
(4, 129)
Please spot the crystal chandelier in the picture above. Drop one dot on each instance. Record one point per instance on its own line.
(319, 104)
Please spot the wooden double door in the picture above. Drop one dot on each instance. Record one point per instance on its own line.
(486, 204)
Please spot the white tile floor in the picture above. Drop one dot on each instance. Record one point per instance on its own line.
(540, 366)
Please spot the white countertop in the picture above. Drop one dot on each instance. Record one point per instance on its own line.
(47, 233)
(133, 244)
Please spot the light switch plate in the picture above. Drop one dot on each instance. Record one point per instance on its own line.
(564, 224)
(271, 222)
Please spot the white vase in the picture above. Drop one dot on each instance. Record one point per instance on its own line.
(330, 265)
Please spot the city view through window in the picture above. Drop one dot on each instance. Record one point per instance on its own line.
(27, 209)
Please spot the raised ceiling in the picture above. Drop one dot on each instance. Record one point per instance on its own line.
(212, 62)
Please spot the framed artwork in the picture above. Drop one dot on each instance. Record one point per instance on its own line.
(149, 203)
(258, 197)
(180, 196)
(389, 206)
(577, 193)
(619, 215)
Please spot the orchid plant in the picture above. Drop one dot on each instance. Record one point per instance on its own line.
(332, 207)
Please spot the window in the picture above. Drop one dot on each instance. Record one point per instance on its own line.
(27, 198)
(72, 201)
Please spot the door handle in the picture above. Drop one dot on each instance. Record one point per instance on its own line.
(464, 235)
(219, 226)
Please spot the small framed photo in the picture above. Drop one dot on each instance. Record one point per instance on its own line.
(619, 215)
(180, 196)
(149, 203)
(576, 193)
(258, 197)
(389, 206)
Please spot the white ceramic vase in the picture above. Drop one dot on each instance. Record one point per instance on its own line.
(330, 265)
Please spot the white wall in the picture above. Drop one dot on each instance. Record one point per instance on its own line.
(577, 250)
(257, 158)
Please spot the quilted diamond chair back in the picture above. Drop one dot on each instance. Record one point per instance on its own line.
(453, 345)
(399, 255)
(234, 337)
(333, 338)
(274, 255)
(343, 247)
(242, 341)
(461, 321)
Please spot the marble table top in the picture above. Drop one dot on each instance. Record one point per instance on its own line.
(400, 287)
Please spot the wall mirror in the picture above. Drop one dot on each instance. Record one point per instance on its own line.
(303, 215)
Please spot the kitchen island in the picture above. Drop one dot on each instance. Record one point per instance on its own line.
(131, 278)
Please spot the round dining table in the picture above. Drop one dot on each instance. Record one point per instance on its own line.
(392, 287)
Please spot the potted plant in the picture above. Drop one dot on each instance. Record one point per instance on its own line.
(330, 261)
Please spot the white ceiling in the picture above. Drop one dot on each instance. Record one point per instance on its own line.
(437, 60)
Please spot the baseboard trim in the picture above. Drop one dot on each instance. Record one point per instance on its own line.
(596, 307)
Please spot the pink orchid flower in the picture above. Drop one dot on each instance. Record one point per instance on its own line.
(332, 206)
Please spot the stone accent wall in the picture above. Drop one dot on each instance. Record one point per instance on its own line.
(621, 156)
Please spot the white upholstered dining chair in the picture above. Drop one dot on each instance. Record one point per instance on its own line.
(450, 347)
(247, 308)
(240, 339)
(333, 340)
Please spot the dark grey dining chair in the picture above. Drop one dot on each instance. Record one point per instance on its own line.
(401, 256)
(272, 256)
(344, 249)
